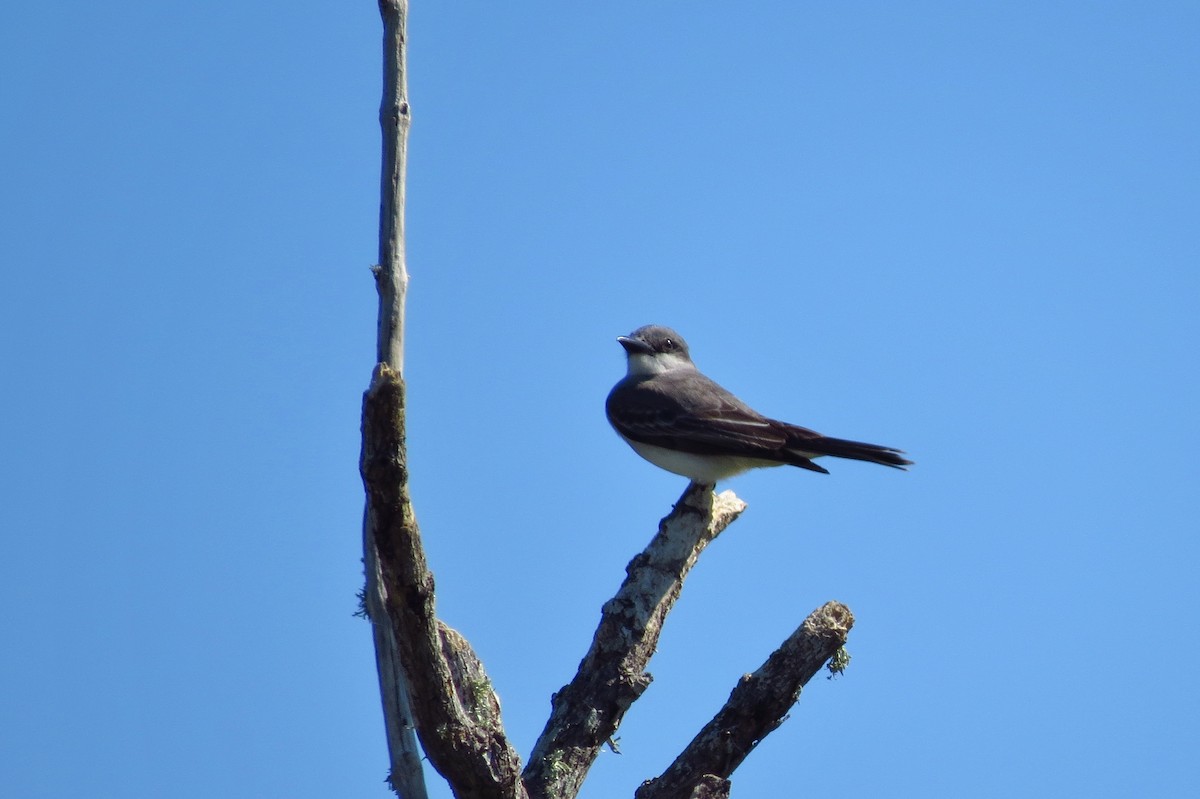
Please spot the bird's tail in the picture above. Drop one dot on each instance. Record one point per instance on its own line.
(855, 450)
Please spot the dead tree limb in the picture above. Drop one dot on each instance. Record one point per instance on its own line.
(757, 705)
(454, 708)
(395, 118)
(406, 776)
(430, 679)
(586, 712)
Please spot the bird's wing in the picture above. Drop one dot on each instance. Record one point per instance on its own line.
(690, 413)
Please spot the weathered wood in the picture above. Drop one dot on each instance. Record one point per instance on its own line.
(391, 273)
(406, 775)
(711, 787)
(454, 708)
(758, 704)
(586, 712)
(430, 680)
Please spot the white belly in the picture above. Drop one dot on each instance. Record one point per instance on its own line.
(700, 468)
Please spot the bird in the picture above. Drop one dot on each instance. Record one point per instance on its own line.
(682, 421)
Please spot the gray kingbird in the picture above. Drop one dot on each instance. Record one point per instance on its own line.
(681, 421)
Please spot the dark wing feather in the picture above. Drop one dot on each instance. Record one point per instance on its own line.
(690, 413)
(841, 448)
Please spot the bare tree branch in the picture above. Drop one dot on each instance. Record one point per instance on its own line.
(406, 775)
(587, 711)
(454, 707)
(430, 679)
(757, 706)
(394, 120)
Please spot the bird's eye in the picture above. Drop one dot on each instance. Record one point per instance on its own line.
(668, 344)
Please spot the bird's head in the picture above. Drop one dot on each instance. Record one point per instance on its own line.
(654, 349)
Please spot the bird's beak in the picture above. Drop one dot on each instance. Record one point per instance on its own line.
(634, 346)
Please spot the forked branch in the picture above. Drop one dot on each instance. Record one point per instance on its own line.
(586, 712)
(430, 679)
(453, 704)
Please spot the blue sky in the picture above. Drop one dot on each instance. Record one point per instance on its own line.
(966, 230)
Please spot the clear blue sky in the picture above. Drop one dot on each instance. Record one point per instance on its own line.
(967, 230)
